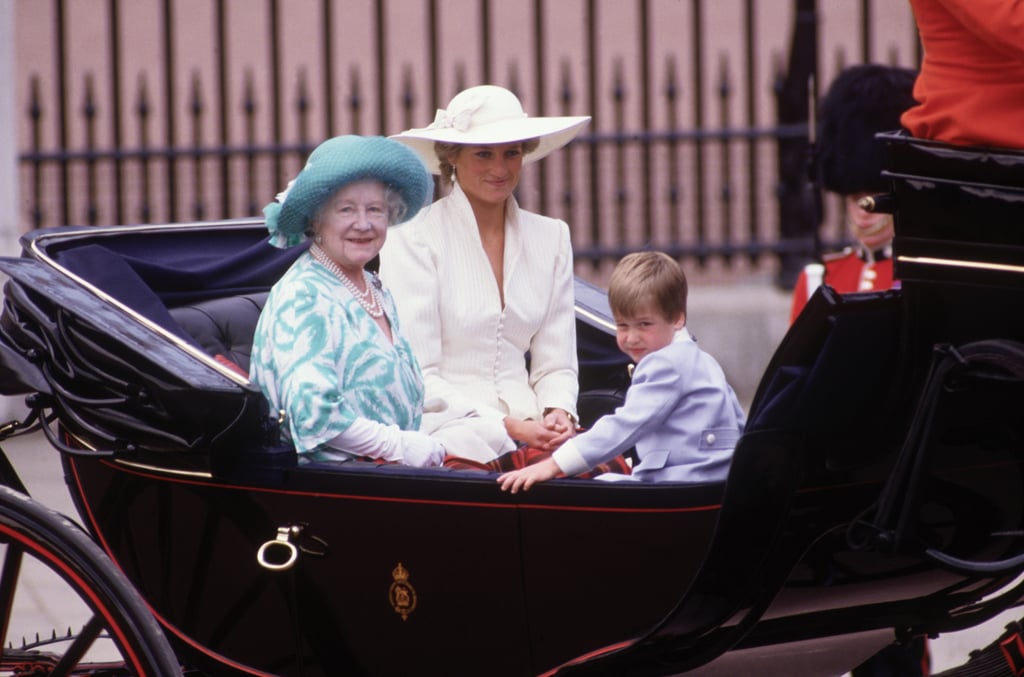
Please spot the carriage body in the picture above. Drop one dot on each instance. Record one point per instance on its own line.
(866, 499)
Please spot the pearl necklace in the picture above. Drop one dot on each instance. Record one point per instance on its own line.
(368, 299)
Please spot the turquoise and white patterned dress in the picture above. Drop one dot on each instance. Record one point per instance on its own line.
(320, 358)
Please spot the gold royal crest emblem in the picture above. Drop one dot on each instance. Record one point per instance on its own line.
(401, 594)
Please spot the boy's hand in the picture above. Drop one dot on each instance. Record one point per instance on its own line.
(528, 476)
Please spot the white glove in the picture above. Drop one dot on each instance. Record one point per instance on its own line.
(419, 449)
(389, 443)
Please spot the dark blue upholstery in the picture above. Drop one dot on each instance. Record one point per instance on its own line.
(224, 326)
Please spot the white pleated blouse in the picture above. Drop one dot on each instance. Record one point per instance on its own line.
(471, 350)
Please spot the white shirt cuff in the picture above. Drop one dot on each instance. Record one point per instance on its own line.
(569, 460)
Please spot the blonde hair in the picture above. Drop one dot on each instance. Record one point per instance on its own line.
(648, 279)
(447, 152)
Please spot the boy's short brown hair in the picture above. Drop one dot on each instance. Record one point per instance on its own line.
(651, 279)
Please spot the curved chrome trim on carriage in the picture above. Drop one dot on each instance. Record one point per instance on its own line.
(957, 263)
(596, 319)
(195, 352)
(135, 465)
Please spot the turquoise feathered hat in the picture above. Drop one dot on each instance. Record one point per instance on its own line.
(334, 164)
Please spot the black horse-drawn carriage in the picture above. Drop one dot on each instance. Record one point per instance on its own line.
(876, 494)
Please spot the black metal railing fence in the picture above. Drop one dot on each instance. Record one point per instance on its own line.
(702, 157)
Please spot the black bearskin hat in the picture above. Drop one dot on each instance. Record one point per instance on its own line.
(860, 102)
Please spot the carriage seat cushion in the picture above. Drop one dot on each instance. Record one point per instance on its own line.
(224, 327)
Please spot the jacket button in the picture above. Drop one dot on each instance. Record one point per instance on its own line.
(710, 438)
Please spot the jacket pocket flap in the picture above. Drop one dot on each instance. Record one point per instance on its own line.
(654, 459)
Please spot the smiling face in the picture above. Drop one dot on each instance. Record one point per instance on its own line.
(874, 230)
(489, 174)
(353, 224)
(645, 331)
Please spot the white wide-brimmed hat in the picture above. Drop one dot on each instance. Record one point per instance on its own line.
(488, 115)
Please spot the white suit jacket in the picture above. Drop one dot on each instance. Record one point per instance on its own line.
(680, 413)
(470, 349)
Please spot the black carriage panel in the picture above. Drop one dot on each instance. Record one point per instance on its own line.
(967, 200)
(959, 245)
(394, 570)
(959, 250)
(603, 562)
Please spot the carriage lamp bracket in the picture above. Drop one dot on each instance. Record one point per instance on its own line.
(281, 553)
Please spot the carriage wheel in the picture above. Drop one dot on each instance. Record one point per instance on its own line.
(119, 634)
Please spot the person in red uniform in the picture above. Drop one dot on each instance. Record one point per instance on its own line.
(862, 101)
(971, 87)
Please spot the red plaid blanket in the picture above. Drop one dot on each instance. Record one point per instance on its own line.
(524, 456)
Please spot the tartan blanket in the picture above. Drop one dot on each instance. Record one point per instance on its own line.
(524, 456)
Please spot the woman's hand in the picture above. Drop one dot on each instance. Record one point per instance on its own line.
(420, 450)
(559, 421)
(533, 433)
(528, 476)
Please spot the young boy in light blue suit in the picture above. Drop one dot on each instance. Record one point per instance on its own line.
(680, 413)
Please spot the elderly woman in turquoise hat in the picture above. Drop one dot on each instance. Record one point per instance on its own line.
(480, 282)
(328, 352)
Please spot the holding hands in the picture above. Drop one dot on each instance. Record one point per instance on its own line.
(547, 434)
(559, 421)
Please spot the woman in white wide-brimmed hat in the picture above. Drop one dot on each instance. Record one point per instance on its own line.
(481, 283)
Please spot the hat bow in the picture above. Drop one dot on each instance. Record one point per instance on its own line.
(461, 120)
